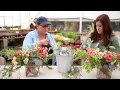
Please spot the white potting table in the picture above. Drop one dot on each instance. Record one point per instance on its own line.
(53, 73)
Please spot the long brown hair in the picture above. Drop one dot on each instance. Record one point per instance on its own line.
(107, 30)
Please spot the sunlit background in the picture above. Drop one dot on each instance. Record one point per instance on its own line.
(23, 18)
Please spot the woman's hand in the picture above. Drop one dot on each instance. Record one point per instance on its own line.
(42, 42)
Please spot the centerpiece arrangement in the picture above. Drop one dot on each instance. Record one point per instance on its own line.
(32, 59)
(105, 61)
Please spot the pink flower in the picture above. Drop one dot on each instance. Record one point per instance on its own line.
(19, 52)
(118, 55)
(44, 53)
(14, 58)
(39, 49)
(91, 51)
(108, 57)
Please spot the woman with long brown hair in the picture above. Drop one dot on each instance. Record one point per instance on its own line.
(102, 37)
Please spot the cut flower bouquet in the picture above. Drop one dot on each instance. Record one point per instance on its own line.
(94, 58)
(37, 56)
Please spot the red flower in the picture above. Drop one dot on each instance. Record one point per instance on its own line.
(43, 52)
(108, 57)
(118, 55)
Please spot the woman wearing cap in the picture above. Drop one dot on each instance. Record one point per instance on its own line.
(39, 36)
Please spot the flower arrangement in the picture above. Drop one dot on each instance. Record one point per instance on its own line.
(94, 58)
(38, 56)
(25, 57)
(64, 58)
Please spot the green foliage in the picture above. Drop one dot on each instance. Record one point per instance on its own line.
(17, 48)
(73, 74)
(66, 38)
(90, 27)
(118, 50)
(6, 71)
(7, 53)
(59, 44)
(88, 67)
(20, 58)
(71, 35)
(63, 33)
(95, 61)
(79, 54)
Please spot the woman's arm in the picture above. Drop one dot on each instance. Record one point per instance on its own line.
(115, 42)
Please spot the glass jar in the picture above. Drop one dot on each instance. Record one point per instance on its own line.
(103, 73)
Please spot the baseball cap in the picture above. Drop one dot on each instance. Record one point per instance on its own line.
(42, 21)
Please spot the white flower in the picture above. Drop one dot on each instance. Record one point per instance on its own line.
(27, 55)
(112, 47)
(112, 63)
(63, 54)
(97, 50)
(14, 62)
(25, 60)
